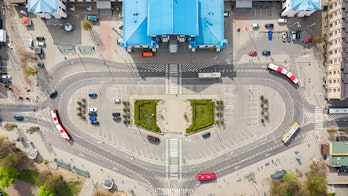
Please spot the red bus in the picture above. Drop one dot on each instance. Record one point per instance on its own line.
(54, 114)
(206, 176)
(57, 123)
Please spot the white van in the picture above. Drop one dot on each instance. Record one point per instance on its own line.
(282, 21)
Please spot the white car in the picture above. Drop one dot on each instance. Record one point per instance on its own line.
(68, 27)
(293, 35)
(31, 43)
(7, 77)
(255, 26)
(284, 36)
(93, 109)
(117, 100)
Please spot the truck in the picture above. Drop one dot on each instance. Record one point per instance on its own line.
(209, 75)
(3, 37)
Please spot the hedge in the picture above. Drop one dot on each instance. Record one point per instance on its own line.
(145, 114)
(202, 114)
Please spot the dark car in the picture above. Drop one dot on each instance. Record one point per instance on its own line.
(288, 37)
(153, 139)
(117, 118)
(0, 62)
(116, 114)
(18, 117)
(40, 39)
(93, 95)
(92, 18)
(266, 53)
(19, 139)
(95, 123)
(270, 35)
(298, 34)
(53, 94)
(41, 65)
(92, 114)
(269, 26)
(206, 135)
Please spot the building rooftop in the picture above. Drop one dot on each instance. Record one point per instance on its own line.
(339, 149)
(338, 161)
(42, 6)
(306, 5)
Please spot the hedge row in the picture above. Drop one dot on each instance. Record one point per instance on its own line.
(145, 114)
(202, 114)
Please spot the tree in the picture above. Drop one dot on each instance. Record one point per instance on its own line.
(292, 183)
(18, 161)
(53, 182)
(277, 188)
(333, 132)
(5, 147)
(46, 192)
(318, 168)
(87, 25)
(7, 176)
(316, 184)
(10, 126)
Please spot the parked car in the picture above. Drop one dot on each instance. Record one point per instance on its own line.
(266, 53)
(39, 52)
(68, 27)
(255, 26)
(40, 64)
(293, 35)
(53, 94)
(116, 114)
(284, 36)
(93, 109)
(92, 95)
(18, 117)
(206, 135)
(282, 21)
(92, 118)
(95, 123)
(270, 35)
(6, 77)
(31, 43)
(289, 37)
(309, 40)
(153, 139)
(92, 113)
(40, 39)
(269, 26)
(227, 14)
(252, 53)
(117, 118)
(40, 44)
(92, 18)
(298, 34)
(117, 100)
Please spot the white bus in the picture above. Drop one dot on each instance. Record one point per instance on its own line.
(290, 132)
(209, 75)
(338, 110)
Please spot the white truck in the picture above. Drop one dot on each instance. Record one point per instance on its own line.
(3, 37)
(209, 75)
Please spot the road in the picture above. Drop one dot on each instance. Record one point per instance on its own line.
(67, 82)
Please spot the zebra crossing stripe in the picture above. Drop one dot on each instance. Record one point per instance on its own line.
(174, 192)
(318, 122)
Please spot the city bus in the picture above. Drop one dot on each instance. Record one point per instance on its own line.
(338, 110)
(286, 137)
(206, 176)
(209, 75)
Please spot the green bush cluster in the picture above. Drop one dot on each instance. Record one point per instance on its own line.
(126, 113)
(264, 109)
(219, 106)
(145, 114)
(81, 109)
(202, 114)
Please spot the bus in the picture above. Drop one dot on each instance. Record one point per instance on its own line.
(338, 110)
(61, 129)
(286, 137)
(209, 75)
(206, 176)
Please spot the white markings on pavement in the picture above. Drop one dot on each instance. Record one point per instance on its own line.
(173, 85)
(173, 192)
(318, 113)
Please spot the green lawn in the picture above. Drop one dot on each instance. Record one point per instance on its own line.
(69, 188)
(145, 114)
(202, 114)
(29, 176)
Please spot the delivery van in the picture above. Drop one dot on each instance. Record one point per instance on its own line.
(147, 54)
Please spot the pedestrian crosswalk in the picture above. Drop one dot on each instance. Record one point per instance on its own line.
(173, 192)
(173, 163)
(318, 113)
(174, 79)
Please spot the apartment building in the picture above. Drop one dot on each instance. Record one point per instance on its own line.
(336, 65)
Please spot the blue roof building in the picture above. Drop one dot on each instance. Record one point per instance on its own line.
(47, 8)
(200, 23)
(300, 8)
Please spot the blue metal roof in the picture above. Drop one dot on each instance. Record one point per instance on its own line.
(306, 5)
(173, 17)
(202, 20)
(42, 6)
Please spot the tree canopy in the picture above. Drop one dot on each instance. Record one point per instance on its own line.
(7, 176)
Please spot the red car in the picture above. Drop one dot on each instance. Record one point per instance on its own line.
(252, 53)
(206, 176)
(309, 40)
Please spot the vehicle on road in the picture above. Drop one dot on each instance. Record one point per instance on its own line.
(18, 117)
(270, 35)
(206, 176)
(288, 37)
(286, 137)
(282, 21)
(255, 26)
(117, 101)
(293, 35)
(284, 36)
(92, 95)
(41, 65)
(53, 94)
(338, 111)
(292, 77)
(283, 71)
(252, 53)
(210, 75)
(55, 117)
(93, 109)
(63, 132)
(227, 14)
(31, 43)
(269, 26)
(153, 139)
(92, 18)
(307, 41)
(206, 135)
(266, 53)
(147, 54)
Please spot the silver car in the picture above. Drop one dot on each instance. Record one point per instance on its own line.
(284, 36)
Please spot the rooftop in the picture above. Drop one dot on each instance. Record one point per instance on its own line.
(42, 6)
(337, 161)
(339, 149)
(306, 5)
